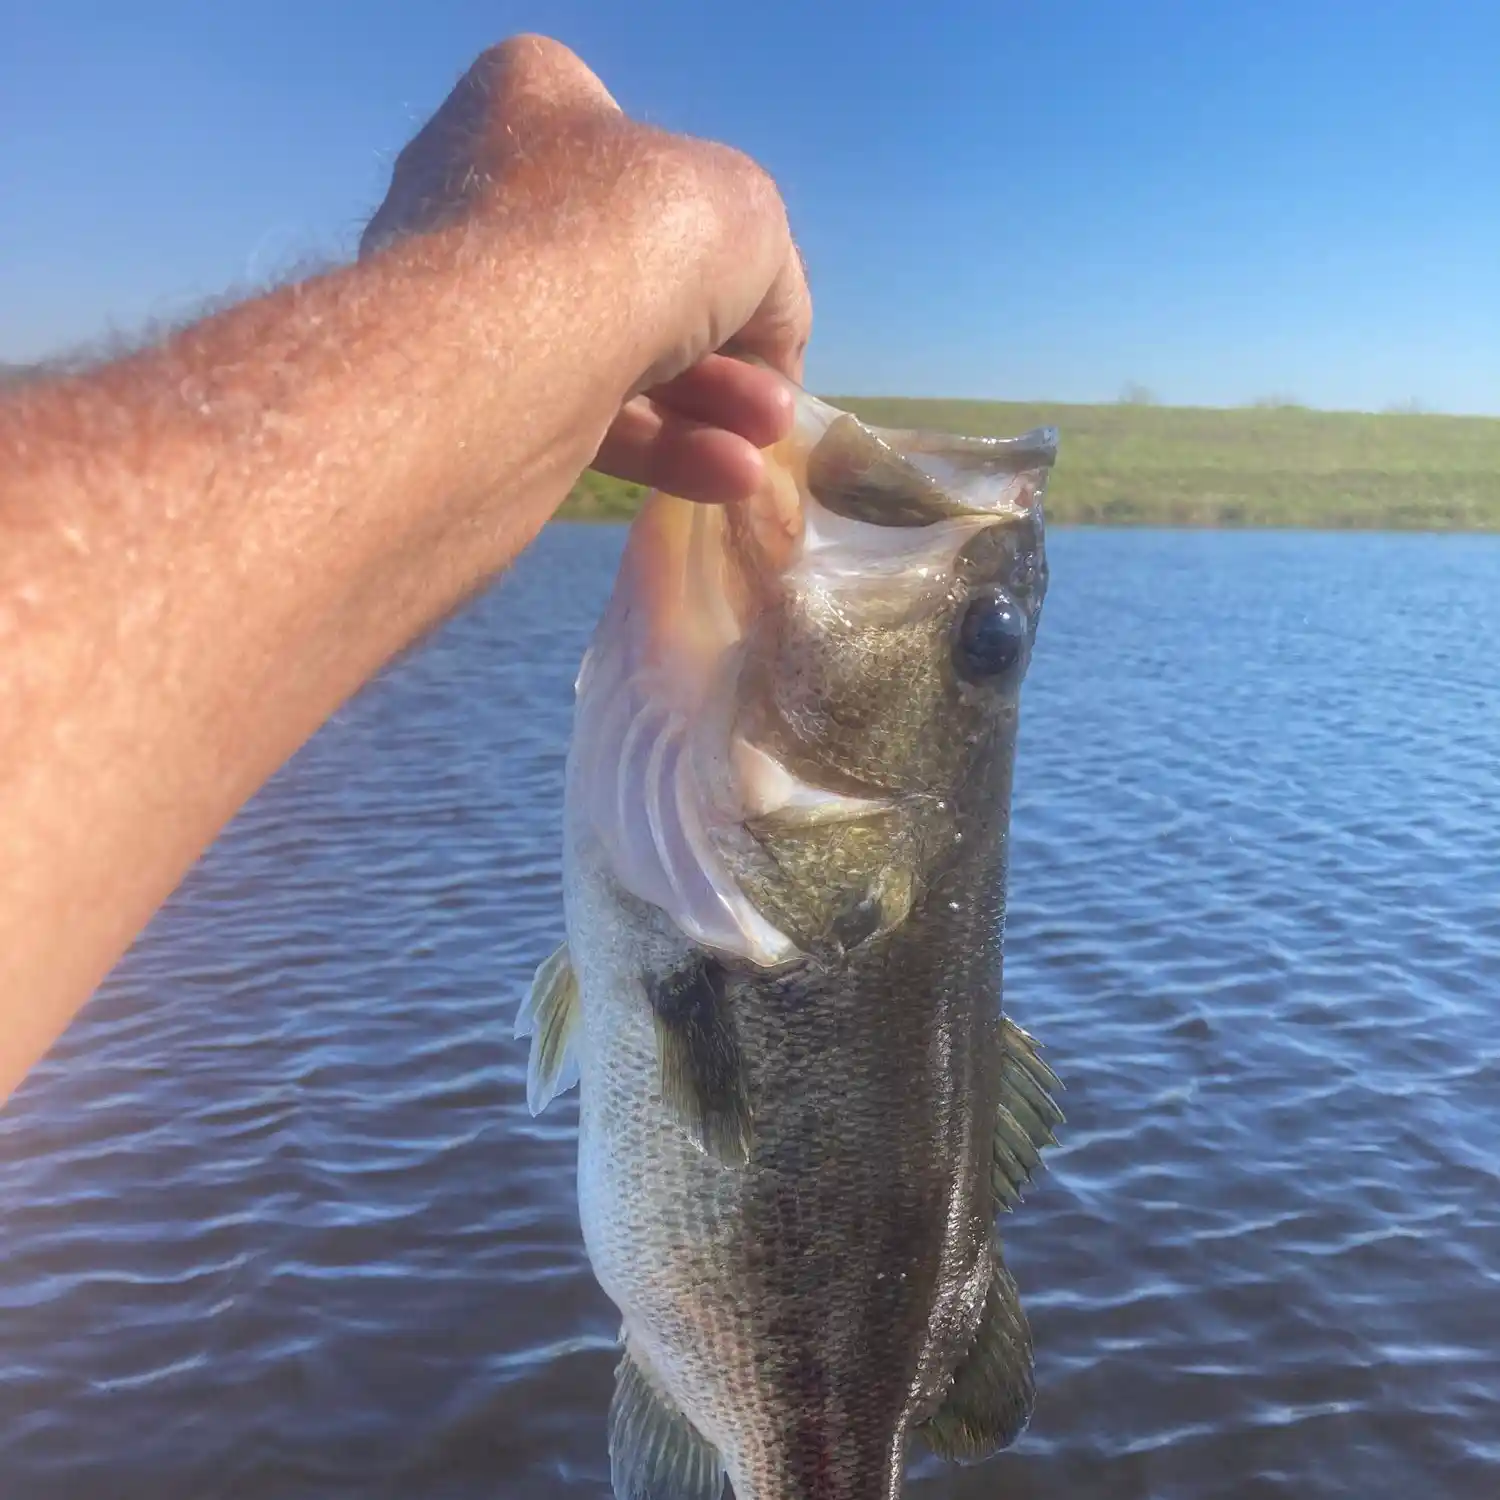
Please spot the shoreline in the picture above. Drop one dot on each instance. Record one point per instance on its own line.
(1270, 467)
(1308, 528)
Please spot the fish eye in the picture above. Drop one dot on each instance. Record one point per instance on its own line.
(992, 634)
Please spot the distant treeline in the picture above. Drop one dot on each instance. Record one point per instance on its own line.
(1133, 463)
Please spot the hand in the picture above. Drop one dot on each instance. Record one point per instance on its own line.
(208, 546)
(530, 130)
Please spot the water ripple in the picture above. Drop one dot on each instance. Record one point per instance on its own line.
(275, 1221)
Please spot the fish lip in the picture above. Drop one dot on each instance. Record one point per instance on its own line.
(1034, 449)
(904, 479)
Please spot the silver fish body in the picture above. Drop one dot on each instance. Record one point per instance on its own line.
(785, 865)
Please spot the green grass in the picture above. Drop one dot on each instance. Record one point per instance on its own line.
(1272, 465)
(597, 497)
(1133, 463)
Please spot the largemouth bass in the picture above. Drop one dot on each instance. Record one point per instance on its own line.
(787, 814)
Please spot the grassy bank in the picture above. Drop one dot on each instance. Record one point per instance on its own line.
(1192, 466)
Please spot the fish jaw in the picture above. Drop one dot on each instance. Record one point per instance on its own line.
(665, 763)
(652, 765)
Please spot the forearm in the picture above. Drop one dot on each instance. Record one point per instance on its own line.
(206, 548)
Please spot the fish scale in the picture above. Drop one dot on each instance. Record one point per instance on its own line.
(801, 1104)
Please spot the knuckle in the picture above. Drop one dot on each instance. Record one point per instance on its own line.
(519, 53)
(750, 181)
(535, 65)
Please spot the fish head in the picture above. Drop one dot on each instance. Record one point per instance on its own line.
(797, 710)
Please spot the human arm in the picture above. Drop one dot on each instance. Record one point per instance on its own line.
(207, 547)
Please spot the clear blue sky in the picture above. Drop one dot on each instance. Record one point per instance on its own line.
(1219, 200)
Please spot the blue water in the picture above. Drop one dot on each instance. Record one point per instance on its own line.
(275, 1223)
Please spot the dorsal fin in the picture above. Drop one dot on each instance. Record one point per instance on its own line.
(993, 1391)
(1026, 1115)
(989, 1403)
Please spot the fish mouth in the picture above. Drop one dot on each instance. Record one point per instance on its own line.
(908, 479)
(875, 519)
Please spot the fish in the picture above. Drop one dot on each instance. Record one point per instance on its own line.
(801, 1102)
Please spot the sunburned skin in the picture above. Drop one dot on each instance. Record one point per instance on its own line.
(208, 546)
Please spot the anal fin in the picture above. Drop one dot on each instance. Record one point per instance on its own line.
(1026, 1115)
(702, 1070)
(993, 1391)
(549, 1015)
(655, 1453)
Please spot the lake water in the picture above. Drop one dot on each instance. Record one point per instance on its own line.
(275, 1223)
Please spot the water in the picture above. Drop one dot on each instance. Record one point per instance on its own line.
(275, 1223)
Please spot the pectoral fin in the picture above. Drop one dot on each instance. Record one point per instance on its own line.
(702, 1071)
(549, 1016)
(1026, 1115)
(991, 1398)
(655, 1453)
